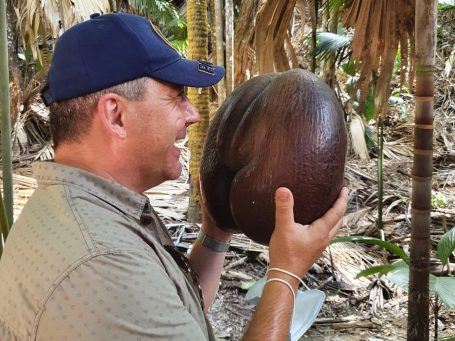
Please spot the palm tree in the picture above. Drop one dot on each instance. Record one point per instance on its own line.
(218, 43)
(197, 49)
(6, 208)
(425, 42)
(229, 38)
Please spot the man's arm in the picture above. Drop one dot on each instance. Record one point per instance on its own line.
(208, 264)
(293, 248)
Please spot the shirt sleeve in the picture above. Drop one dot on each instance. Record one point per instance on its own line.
(119, 296)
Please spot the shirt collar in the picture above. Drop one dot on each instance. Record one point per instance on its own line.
(131, 203)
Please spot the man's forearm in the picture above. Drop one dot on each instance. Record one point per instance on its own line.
(271, 321)
(208, 264)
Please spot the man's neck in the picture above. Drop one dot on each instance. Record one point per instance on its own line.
(98, 162)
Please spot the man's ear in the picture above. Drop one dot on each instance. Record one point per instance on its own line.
(111, 113)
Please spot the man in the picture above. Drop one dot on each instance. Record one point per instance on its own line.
(88, 258)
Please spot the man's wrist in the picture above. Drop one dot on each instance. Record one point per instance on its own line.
(212, 243)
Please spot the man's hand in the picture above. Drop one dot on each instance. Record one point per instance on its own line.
(208, 225)
(294, 247)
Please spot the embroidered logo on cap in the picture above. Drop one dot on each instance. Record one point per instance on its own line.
(206, 67)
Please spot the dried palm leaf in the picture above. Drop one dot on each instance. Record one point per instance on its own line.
(36, 19)
(381, 27)
(348, 260)
(357, 131)
(271, 27)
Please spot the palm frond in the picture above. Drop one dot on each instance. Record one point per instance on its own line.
(381, 27)
(330, 42)
(330, 5)
(165, 16)
(159, 11)
(38, 21)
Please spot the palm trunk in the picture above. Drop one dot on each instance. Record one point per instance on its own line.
(197, 49)
(329, 65)
(425, 42)
(314, 27)
(229, 18)
(218, 45)
(6, 121)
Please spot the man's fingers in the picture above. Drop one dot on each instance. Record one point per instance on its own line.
(284, 207)
(333, 232)
(335, 213)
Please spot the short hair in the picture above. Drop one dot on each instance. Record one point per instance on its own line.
(70, 119)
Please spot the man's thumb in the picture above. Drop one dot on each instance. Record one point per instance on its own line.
(284, 205)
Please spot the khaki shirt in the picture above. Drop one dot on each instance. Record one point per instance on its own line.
(83, 262)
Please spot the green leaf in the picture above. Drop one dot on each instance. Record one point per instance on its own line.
(400, 277)
(381, 269)
(446, 5)
(438, 199)
(445, 288)
(247, 285)
(349, 67)
(369, 107)
(330, 42)
(446, 245)
(395, 249)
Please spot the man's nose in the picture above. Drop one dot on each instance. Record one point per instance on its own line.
(192, 114)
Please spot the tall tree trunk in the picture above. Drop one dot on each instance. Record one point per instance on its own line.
(219, 43)
(229, 17)
(14, 71)
(314, 25)
(329, 64)
(197, 49)
(6, 121)
(425, 42)
(243, 41)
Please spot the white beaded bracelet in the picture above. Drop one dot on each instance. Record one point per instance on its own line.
(288, 285)
(292, 291)
(290, 274)
(284, 282)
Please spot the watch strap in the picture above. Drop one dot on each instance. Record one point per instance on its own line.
(212, 243)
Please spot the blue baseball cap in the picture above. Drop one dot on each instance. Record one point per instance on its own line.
(114, 48)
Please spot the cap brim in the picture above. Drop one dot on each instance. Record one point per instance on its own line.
(188, 73)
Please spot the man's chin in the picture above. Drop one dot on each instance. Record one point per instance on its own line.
(175, 173)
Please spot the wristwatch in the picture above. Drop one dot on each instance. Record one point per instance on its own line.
(212, 243)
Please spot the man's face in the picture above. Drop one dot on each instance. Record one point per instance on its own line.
(159, 120)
